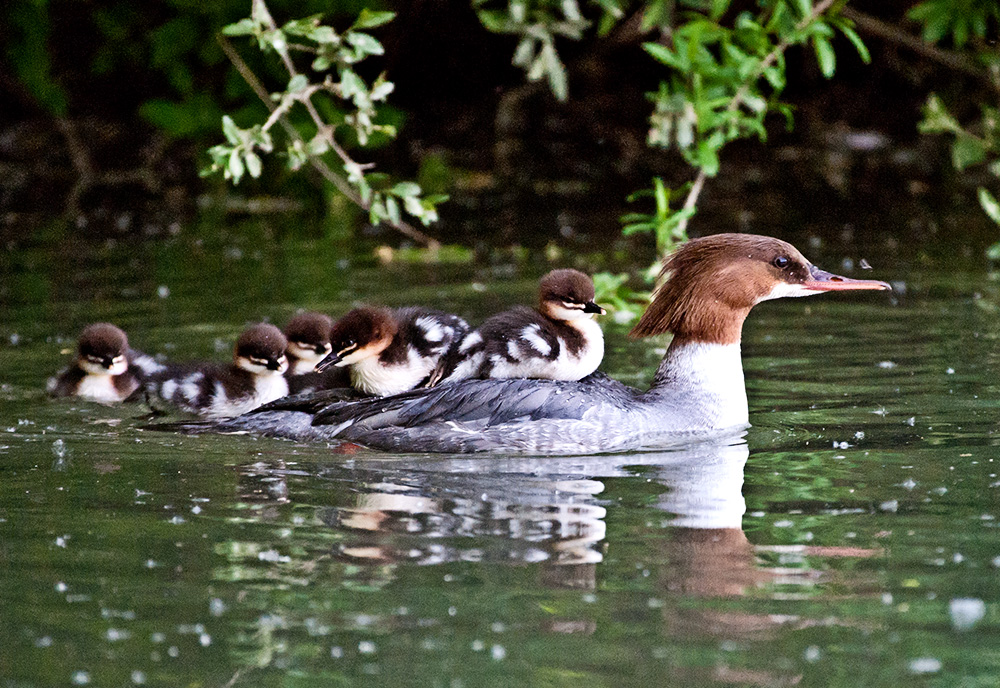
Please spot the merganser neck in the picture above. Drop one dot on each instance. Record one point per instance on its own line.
(706, 379)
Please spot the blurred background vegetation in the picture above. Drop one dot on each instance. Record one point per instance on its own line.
(537, 119)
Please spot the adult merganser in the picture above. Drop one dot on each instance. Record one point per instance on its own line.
(101, 370)
(308, 341)
(392, 351)
(558, 341)
(212, 390)
(709, 286)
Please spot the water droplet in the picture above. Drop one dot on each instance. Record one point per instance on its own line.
(966, 612)
(925, 665)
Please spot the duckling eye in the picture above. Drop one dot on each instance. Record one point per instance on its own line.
(780, 262)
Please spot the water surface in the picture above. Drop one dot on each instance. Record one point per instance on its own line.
(850, 539)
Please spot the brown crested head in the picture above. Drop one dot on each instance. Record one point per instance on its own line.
(262, 342)
(362, 327)
(709, 285)
(101, 342)
(310, 330)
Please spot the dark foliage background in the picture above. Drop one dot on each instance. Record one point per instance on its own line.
(109, 107)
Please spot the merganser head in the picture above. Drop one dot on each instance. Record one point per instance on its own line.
(567, 295)
(260, 350)
(309, 337)
(102, 349)
(360, 334)
(710, 284)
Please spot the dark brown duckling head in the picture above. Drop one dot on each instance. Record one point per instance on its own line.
(361, 333)
(260, 349)
(567, 294)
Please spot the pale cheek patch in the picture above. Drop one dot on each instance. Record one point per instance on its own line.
(785, 290)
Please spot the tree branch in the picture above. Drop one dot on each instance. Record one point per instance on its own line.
(342, 185)
(952, 60)
(699, 182)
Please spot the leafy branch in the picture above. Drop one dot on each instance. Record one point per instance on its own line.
(239, 155)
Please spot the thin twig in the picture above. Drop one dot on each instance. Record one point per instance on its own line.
(342, 185)
(699, 182)
(952, 60)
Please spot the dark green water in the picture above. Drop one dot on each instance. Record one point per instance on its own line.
(852, 541)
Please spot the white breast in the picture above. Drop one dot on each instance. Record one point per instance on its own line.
(99, 388)
(373, 377)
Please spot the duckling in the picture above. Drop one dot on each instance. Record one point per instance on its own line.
(557, 341)
(212, 390)
(101, 370)
(394, 350)
(308, 341)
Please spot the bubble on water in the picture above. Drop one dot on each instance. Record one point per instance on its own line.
(204, 640)
(336, 652)
(80, 678)
(61, 587)
(891, 505)
(163, 291)
(859, 435)
(216, 607)
(949, 371)
(909, 483)
(116, 634)
(498, 653)
(887, 365)
(273, 556)
(966, 612)
(812, 654)
(784, 524)
(366, 647)
(44, 641)
(138, 677)
(925, 665)
(911, 421)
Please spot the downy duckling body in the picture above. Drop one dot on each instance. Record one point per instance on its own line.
(557, 341)
(213, 390)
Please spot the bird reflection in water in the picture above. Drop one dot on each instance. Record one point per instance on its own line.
(550, 513)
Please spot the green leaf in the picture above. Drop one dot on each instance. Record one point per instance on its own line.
(369, 19)
(555, 71)
(495, 21)
(231, 131)
(298, 83)
(392, 209)
(351, 84)
(235, 166)
(302, 27)
(663, 54)
(253, 163)
(718, 8)
(244, 27)
(937, 119)
(967, 150)
(324, 35)
(364, 43)
(405, 189)
(825, 55)
(990, 205)
(859, 45)
(804, 8)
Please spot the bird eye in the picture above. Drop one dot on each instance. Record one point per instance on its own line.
(780, 262)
